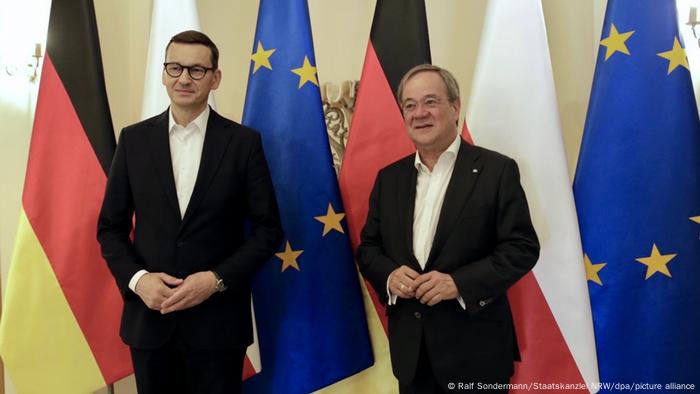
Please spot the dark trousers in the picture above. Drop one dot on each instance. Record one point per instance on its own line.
(178, 368)
(425, 382)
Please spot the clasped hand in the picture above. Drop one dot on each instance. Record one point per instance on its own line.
(165, 293)
(429, 288)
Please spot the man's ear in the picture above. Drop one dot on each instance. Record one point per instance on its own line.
(456, 106)
(217, 79)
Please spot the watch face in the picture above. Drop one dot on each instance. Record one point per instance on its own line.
(220, 285)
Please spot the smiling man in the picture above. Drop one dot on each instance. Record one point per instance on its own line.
(447, 233)
(190, 178)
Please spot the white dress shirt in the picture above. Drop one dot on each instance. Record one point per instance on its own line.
(431, 187)
(430, 194)
(186, 144)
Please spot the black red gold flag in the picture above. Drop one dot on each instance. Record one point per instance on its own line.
(60, 327)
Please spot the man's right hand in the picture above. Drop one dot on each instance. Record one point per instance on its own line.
(156, 287)
(401, 282)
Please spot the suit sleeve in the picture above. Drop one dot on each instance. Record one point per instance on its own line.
(116, 221)
(266, 226)
(516, 251)
(373, 262)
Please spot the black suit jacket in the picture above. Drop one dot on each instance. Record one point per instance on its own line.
(484, 240)
(233, 185)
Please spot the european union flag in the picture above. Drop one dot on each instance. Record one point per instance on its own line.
(637, 191)
(308, 303)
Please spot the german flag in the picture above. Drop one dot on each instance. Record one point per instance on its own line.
(59, 330)
(398, 41)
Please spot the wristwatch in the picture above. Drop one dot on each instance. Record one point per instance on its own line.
(220, 286)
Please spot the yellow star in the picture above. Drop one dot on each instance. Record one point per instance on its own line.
(696, 219)
(261, 57)
(331, 220)
(676, 56)
(615, 42)
(306, 73)
(289, 257)
(656, 262)
(593, 269)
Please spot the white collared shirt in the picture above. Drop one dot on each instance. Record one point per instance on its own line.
(431, 187)
(430, 194)
(186, 143)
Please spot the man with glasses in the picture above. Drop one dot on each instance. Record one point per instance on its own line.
(189, 179)
(447, 233)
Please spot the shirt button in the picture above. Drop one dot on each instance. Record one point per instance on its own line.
(417, 315)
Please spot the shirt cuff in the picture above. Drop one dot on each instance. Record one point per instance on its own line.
(392, 297)
(135, 279)
(461, 302)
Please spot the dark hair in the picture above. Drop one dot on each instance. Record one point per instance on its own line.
(196, 37)
(447, 78)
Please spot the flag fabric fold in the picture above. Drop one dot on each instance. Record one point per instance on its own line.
(514, 110)
(637, 194)
(60, 326)
(308, 301)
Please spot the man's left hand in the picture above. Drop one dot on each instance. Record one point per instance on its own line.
(434, 287)
(194, 290)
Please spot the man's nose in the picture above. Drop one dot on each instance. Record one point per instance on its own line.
(421, 111)
(184, 78)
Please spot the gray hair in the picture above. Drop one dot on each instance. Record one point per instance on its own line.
(447, 78)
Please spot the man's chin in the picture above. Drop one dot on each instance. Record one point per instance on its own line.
(185, 102)
(423, 136)
(422, 143)
(184, 98)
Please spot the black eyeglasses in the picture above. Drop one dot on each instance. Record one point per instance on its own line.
(196, 72)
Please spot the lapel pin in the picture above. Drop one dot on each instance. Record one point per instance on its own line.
(475, 170)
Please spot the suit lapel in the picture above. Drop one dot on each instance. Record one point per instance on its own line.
(406, 206)
(464, 176)
(215, 143)
(160, 143)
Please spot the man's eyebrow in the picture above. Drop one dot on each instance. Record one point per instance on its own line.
(426, 96)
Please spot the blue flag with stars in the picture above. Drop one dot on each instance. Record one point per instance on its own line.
(637, 191)
(308, 302)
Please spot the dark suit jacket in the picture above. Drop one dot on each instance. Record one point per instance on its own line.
(484, 240)
(233, 185)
